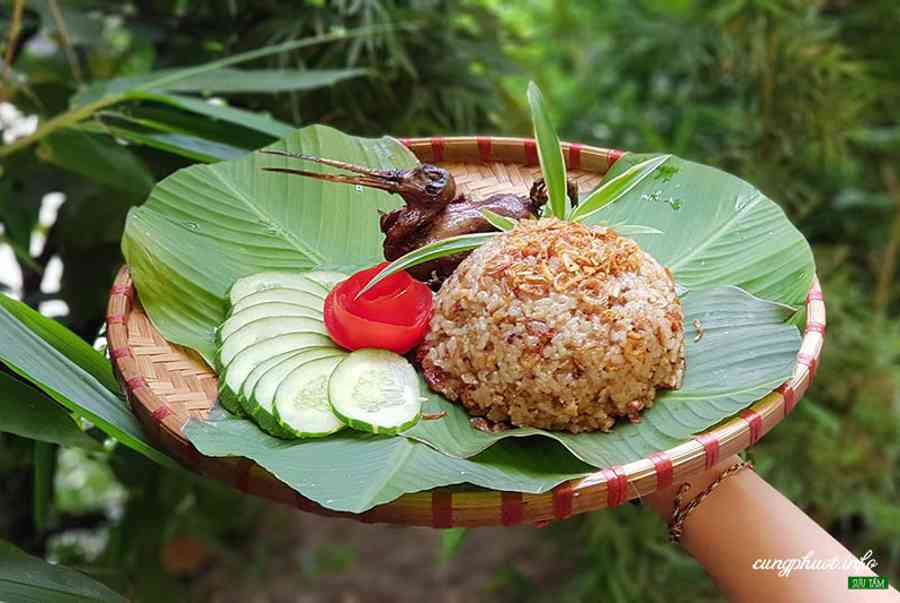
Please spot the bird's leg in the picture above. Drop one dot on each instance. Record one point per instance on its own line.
(538, 194)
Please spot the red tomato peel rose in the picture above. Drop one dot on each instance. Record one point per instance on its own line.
(393, 315)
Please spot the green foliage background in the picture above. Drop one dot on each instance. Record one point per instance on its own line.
(797, 96)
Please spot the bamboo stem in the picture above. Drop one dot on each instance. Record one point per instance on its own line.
(889, 262)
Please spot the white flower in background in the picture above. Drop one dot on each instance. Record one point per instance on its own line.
(14, 123)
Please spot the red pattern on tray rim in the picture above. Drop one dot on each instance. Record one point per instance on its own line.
(512, 511)
(162, 412)
(562, 500)
(755, 422)
(116, 353)
(441, 509)
(815, 327)
(790, 397)
(484, 148)
(711, 445)
(614, 155)
(531, 154)
(662, 462)
(616, 486)
(809, 361)
(574, 156)
(437, 149)
(136, 382)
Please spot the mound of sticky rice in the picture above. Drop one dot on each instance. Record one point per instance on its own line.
(556, 325)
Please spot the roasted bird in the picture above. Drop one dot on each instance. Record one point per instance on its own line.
(433, 210)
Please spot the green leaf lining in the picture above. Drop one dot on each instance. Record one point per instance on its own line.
(352, 471)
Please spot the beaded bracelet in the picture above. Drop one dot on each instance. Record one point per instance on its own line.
(680, 514)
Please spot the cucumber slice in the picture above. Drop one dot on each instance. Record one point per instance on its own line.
(286, 296)
(261, 281)
(301, 401)
(376, 391)
(232, 377)
(248, 315)
(266, 328)
(260, 403)
(326, 278)
(230, 387)
(260, 370)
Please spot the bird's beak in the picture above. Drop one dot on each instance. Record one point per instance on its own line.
(384, 180)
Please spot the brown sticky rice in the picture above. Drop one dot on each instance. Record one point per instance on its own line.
(556, 325)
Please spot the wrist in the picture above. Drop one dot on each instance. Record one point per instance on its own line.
(661, 501)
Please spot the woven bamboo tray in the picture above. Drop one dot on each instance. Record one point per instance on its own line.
(166, 384)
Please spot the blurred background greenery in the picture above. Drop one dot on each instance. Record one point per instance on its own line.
(799, 97)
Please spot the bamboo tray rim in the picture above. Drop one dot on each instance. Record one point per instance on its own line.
(455, 507)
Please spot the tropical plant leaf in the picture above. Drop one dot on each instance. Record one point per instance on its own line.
(27, 412)
(62, 340)
(352, 471)
(746, 351)
(246, 119)
(208, 225)
(719, 230)
(432, 251)
(98, 158)
(161, 118)
(190, 147)
(233, 81)
(179, 79)
(66, 374)
(553, 165)
(498, 221)
(217, 80)
(27, 579)
(616, 188)
(193, 136)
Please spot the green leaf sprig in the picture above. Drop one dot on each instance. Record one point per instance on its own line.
(553, 166)
(616, 188)
(438, 249)
(497, 221)
(553, 169)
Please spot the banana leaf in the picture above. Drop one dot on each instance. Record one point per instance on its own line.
(353, 471)
(743, 263)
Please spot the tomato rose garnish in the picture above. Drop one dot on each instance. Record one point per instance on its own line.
(392, 315)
